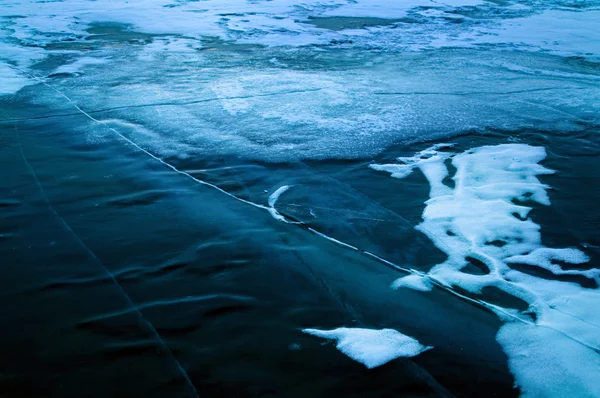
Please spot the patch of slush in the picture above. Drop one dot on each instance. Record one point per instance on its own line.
(371, 347)
(484, 218)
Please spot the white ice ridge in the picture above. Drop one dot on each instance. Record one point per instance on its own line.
(371, 347)
(478, 220)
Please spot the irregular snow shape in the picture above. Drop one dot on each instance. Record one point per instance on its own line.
(371, 347)
(477, 221)
(411, 162)
(543, 258)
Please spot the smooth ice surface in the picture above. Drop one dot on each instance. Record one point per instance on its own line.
(484, 218)
(371, 347)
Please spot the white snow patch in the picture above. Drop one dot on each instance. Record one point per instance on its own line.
(409, 163)
(557, 354)
(371, 347)
(544, 256)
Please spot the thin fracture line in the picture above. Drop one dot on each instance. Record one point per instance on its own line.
(143, 321)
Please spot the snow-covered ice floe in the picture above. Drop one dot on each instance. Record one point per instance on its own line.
(483, 218)
(371, 347)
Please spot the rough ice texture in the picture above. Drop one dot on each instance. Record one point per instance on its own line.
(557, 353)
(10, 80)
(79, 65)
(283, 22)
(389, 9)
(310, 102)
(371, 347)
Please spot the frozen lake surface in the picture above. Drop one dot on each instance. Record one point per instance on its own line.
(290, 198)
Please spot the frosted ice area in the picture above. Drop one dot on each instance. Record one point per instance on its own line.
(12, 82)
(346, 78)
(371, 347)
(284, 22)
(484, 219)
(356, 111)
